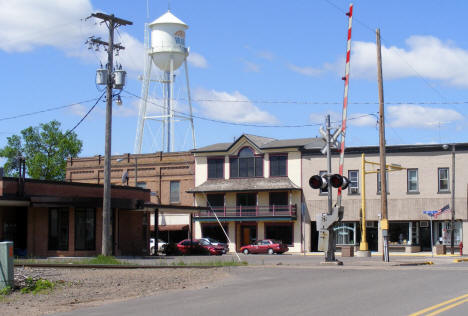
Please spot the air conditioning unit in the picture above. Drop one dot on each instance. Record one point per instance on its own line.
(353, 190)
(424, 224)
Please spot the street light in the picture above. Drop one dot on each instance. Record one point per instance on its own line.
(452, 220)
(363, 246)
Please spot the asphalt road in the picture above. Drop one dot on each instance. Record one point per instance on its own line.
(299, 289)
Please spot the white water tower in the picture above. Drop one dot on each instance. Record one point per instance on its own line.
(168, 52)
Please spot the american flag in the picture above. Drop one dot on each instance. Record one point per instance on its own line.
(442, 210)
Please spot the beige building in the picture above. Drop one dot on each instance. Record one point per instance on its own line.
(253, 186)
(425, 184)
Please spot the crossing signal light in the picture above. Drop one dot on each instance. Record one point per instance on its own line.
(321, 182)
(318, 182)
(338, 181)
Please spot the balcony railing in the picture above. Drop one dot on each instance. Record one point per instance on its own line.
(251, 211)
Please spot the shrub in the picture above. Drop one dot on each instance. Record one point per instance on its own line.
(38, 286)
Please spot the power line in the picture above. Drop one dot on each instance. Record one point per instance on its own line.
(83, 118)
(244, 101)
(46, 110)
(245, 124)
(321, 102)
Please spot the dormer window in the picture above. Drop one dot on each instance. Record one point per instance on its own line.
(246, 164)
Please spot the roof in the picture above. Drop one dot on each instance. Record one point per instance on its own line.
(265, 143)
(168, 18)
(391, 149)
(298, 142)
(247, 184)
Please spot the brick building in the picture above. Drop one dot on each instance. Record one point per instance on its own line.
(167, 175)
(52, 218)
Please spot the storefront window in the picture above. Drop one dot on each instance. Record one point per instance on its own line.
(283, 232)
(85, 229)
(344, 233)
(398, 233)
(445, 232)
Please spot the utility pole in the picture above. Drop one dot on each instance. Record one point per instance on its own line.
(112, 23)
(383, 164)
(452, 221)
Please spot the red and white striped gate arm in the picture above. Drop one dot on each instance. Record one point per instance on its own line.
(345, 99)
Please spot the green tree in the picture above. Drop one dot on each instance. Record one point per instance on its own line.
(45, 149)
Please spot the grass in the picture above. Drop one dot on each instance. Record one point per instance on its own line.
(109, 260)
(104, 260)
(38, 286)
(101, 260)
(5, 291)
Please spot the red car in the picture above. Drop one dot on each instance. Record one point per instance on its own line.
(268, 246)
(199, 247)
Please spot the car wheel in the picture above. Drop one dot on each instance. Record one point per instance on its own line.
(246, 251)
(270, 251)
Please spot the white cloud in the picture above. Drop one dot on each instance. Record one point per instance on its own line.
(250, 66)
(307, 71)
(219, 105)
(197, 60)
(426, 56)
(419, 116)
(78, 109)
(28, 24)
(266, 55)
(354, 119)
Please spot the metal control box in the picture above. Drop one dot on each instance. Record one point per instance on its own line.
(6, 264)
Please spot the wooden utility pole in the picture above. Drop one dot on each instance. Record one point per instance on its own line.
(383, 164)
(112, 23)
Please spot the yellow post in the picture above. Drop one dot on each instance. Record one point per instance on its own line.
(363, 245)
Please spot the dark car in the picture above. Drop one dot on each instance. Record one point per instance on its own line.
(199, 247)
(214, 242)
(268, 246)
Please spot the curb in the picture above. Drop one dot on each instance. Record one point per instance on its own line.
(109, 266)
(461, 260)
(415, 263)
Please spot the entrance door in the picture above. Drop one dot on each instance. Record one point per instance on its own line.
(425, 238)
(372, 238)
(314, 237)
(15, 228)
(248, 235)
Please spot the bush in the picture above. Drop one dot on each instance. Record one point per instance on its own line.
(37, 286)
(5, 291)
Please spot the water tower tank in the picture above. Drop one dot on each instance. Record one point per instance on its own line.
(168, 41)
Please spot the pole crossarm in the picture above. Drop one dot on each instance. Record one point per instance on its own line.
(111, 18)
(101, 42)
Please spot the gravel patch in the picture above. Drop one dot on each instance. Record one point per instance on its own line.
(90, 287)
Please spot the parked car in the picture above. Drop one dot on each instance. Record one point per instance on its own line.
(214, 242)
(269, 246)
(161, 245)
(201, 247)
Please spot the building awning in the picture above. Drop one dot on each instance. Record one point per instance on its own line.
(245, 184)
(63, 201)
(174, 209)
(165, 228)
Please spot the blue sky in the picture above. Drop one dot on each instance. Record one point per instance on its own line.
(283, 59)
